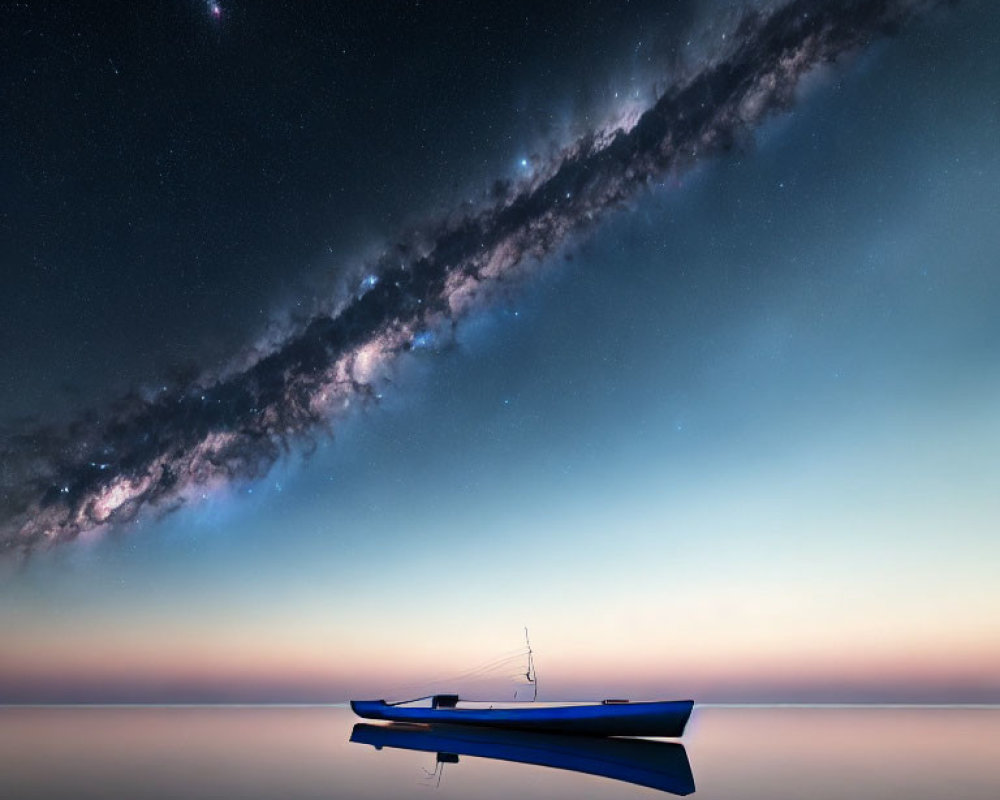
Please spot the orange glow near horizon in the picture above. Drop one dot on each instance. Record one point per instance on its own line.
(237, 663)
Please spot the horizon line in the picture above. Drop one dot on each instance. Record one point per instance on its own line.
(346, 704)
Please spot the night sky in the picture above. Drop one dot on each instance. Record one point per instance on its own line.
(338, 344)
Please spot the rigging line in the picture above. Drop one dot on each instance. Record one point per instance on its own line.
(502, 656)
(481, 671)
(500, 659)
(492, 667)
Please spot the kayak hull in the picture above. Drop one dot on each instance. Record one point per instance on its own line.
(665, 718)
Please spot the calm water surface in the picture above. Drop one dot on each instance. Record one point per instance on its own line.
(272, 752)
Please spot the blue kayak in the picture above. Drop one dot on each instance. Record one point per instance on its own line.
(608, 718)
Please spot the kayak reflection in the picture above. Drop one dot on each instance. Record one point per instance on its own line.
(656, 765)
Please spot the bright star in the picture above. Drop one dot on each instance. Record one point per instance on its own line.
(422, 340)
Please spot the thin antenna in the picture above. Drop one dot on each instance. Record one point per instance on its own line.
(531, 675)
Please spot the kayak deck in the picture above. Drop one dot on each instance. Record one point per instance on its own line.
(656, 718)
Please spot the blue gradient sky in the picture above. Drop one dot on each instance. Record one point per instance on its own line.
(741, 447)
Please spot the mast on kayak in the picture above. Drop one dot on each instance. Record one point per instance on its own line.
(530, 675)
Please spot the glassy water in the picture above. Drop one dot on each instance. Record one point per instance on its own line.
(272, 752)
